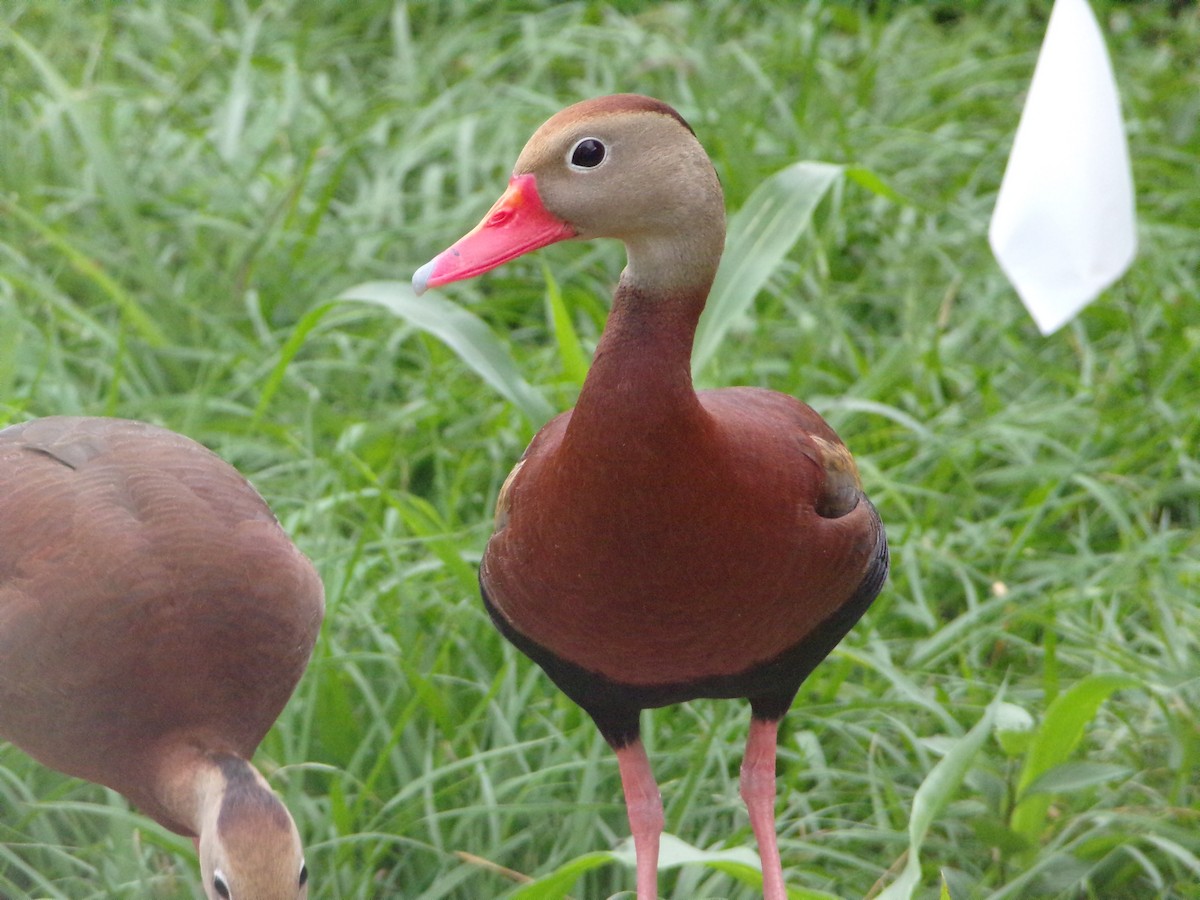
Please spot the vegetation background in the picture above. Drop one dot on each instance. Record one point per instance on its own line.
(190, 191)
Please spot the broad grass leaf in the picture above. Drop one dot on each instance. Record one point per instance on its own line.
(1014, 729)
(993, 832)
(1059, 735)
(555, 885)
(760, 235)
(934, 793)
(741, 863)
(1075, 776)
(464, 333)
(1176, 850)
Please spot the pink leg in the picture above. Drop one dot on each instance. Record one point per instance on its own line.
(643, 803)
(758, 792)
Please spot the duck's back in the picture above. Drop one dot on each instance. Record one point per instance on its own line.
(146, 593)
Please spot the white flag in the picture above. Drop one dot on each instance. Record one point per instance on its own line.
(1063, 228)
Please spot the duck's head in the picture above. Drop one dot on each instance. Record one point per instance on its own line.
(249, 846)
(622, 166)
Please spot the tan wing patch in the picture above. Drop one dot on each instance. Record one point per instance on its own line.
(503, 500)
(843, 487)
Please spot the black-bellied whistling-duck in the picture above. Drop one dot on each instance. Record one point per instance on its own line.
(154, 620)
(656, 544)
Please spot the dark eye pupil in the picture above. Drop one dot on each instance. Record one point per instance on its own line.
(588, 154)
(303, 876)
(221, 887)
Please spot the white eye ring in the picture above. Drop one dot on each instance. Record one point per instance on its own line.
(586, 154)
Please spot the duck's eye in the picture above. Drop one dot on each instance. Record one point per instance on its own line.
(303, 874)
(220, 885)
(587, 154)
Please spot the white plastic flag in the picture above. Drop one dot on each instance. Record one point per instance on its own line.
(1063, 228)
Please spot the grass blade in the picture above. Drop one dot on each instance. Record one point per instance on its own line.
(109, 174)
(287, 353)
(92, 270)
(232, 121)
(464, 333)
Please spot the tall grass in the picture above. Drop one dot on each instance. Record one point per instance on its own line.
(189, 191)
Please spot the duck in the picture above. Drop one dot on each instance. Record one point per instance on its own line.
(154, 621)
(658, 544)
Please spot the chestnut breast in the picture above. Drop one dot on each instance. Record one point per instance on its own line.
(681, 547)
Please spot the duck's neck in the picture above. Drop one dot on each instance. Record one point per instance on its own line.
(194, 785)
(638, 392)
(640, 382)
(189, 788)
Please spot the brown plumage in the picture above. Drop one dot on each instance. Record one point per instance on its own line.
(656, 544)
(154, 621)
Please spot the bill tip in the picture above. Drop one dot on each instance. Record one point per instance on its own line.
(420, 279)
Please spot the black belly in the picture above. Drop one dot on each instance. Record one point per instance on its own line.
(769, 686)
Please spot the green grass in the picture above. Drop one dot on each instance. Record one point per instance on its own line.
(186, 191)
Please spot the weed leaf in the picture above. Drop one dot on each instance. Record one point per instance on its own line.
(1058, 736)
